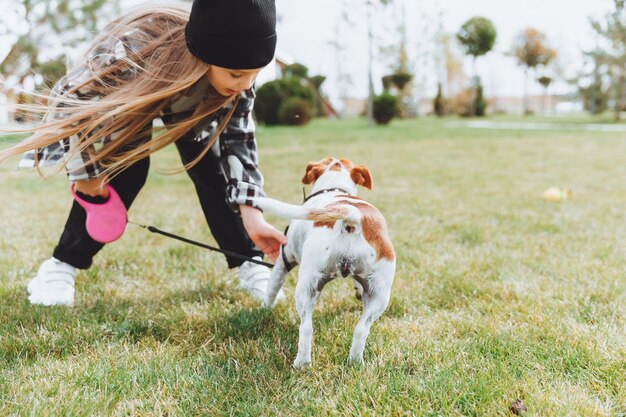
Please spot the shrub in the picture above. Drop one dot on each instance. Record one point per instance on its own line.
(271, 95)
(295, 111)
(461, 104)
(595, 98)
(296, 70)
(386, 107)
(317, 81)
(268, 99)
(480, 104)
(439, 104)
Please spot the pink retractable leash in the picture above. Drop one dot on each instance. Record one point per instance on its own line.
(106, 222)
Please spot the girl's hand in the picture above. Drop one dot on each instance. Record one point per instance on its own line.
(263, 234)
(94, 187)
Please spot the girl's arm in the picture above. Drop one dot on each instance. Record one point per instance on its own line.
(239, 160)
(239, 157)
(264, 235)
(94, 187)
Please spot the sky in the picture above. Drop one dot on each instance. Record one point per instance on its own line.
(307, 30)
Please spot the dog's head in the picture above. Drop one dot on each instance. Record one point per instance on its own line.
(359, 174)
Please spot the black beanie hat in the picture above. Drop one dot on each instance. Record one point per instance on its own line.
(235, 34)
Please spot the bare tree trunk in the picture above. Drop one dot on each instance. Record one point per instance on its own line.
(619, 100)
(370, 36)
(474, 89)
(525, 99)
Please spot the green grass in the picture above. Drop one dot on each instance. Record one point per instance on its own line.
(498, 294)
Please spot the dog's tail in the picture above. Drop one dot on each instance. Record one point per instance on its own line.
(345, 212)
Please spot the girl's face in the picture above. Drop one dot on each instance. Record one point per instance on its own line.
(231, 82)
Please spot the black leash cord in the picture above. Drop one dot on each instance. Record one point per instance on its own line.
(202, 245)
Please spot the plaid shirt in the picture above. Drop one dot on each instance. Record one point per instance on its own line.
(236, 146)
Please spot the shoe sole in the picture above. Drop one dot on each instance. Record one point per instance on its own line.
(65, 298)
(49, 296)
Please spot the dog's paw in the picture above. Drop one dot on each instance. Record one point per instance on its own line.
(355, 360)
(268, 303)
(301, 362)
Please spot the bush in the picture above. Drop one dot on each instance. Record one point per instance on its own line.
(595, 98)
(268, 99)
(386, 107)
(295, 111)
(317, 81)
(461, 104)
(271, 95)
(480, 104)
(439, 104)
(296, 70)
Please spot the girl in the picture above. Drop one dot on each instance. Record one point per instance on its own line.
(193, 70)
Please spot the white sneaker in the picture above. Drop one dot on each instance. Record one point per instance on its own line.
(53, 285)
(254, 278)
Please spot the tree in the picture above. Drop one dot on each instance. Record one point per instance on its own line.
(453, 73)
(296, 70)
(316, 81)
(387, 81)
(545, 82)
(370, 61)
(477, 36)
(401, 78)
(612, 53)
(53, 29)
(531, 52)
(351, 8)
(595, 86)
(595, 97)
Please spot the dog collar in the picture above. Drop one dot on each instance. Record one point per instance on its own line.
(324, 191)
(288, 265)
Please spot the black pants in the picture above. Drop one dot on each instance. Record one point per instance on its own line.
(77, 248)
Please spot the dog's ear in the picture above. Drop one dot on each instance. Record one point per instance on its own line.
(361, 176)
(312, 173)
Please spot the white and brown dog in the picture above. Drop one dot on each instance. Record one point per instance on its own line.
(336, 233)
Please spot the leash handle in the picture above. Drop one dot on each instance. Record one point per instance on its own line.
(232, 254)
(105, 222)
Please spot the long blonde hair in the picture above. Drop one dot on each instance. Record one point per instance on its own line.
(161, 70)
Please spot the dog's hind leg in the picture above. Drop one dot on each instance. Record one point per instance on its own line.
(276, 282)
(375, 301)
(373, 307)
(307, 295)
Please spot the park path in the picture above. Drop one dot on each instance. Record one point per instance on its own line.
(589, 127)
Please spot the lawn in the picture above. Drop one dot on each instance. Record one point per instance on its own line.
(498, 294)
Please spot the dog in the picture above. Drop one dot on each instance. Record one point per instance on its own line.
(334, 233)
